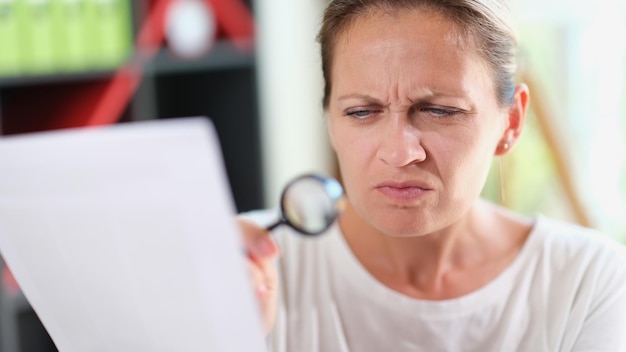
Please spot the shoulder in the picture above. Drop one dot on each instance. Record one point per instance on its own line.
(586, 272)
(565, 241)
(581, 259)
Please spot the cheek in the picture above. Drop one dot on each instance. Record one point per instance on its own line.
(354, 150)
(353, 153)
(349, 143)
(463, 164)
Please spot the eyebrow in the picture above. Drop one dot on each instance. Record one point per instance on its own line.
(359, 96)
(413, 100)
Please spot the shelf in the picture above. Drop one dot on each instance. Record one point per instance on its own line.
(52, 78)
(223, 55)
(17, 302)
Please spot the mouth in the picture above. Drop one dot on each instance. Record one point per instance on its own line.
(403, 192)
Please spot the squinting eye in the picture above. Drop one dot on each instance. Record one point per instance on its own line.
(359, 114)
(441, 112)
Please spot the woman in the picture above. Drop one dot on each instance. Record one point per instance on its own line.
(419, 98)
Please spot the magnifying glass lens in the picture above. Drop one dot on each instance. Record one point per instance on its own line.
(309, 204)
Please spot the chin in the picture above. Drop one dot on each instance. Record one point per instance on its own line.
(398, 222)
(399, 230)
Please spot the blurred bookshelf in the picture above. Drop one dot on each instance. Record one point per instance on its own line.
(221, 84)
(44, 81)
(223, 56)
(16, 81)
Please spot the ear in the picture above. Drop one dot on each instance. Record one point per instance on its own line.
(516, 117)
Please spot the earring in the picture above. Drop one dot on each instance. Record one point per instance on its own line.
(502, 178)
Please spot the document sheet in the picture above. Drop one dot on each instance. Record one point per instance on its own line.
(123, 238)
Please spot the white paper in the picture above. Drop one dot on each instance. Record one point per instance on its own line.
(123, 238)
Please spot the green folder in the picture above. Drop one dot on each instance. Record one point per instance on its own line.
(43, 36)
(10, 17)
(91, 34)
(72, 26)
(38, 37)
(113, 27)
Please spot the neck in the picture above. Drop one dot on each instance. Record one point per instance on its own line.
(437, 265)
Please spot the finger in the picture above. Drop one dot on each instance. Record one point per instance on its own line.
(265, 289)
(257, 240)
(259, 280)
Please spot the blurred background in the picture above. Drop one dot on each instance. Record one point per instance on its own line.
(253, 68)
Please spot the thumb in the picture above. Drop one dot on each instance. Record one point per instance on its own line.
(257, 240)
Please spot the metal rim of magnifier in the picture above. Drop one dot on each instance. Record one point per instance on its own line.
(323, 180)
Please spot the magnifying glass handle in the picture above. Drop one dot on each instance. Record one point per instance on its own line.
(275, 225)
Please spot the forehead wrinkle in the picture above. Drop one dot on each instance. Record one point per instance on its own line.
(395, 83)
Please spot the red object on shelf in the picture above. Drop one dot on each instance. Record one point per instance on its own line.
(9, 285)
(104, 103)
(235, 20)
(152, 33)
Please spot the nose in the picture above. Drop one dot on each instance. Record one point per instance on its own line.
(400, 143)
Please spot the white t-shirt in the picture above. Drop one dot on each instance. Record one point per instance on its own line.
(565, 291)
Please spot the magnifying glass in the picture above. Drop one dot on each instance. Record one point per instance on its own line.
(309, 204)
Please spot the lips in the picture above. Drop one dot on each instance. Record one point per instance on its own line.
(403, 192)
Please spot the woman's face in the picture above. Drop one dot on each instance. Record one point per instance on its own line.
(414, 121)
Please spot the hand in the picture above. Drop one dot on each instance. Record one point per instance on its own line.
(261, 250)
